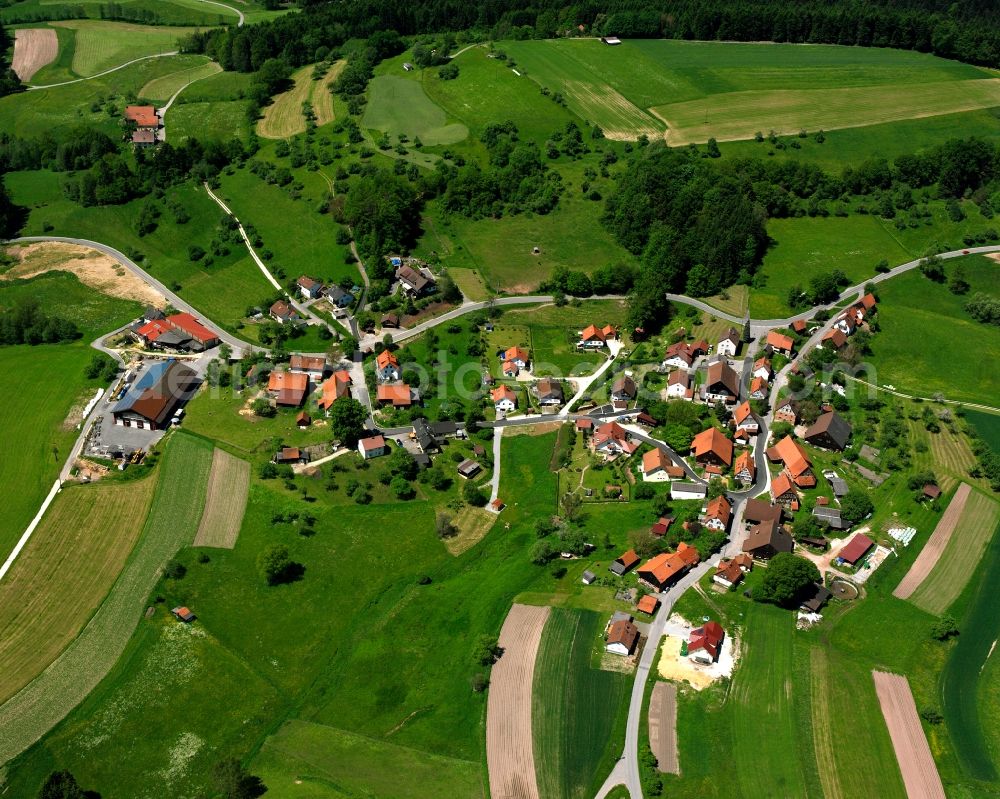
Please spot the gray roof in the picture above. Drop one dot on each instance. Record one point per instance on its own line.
(829, 515)
(445, 428)
(839, 485)
(619, 615)
(617, 568)
(690, 488)
(832, 425)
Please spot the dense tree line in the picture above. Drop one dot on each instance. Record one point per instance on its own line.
(384, 213)
(26, 323)
(9, 82)
(969, 31)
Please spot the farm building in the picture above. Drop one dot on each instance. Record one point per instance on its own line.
(756, 511)
(711, 446)
(830, 517)
(623, 636)
(399, 396)
(372, 447)
(779, 342)
(722, 384)
(337, 386)
(855, 549)
(469, 468)
(144, 138)
(184, 614)
(705, 643)
(179, 331)
(611, 40)
(662, 571)
(588, 577)
(816, 598)
(660, 527)
(144, 116)
(290, 455)
(313, 366)
(931, 491)
(624, 562)
(152, 400)
(797, 465)
(767, 539)
(303, 420)
(288, 388)
(831, 431)
(688, 491)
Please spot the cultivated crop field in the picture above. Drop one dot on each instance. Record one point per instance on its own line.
(225, 502)
(702, 90)
(576, 708)
(173, 519)
(283, 118)
(977, 520)
(33, 49)
(63, 574)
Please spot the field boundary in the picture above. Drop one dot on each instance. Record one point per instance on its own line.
(34, 48)
(935, 546)
(509, 743)
(913, 753)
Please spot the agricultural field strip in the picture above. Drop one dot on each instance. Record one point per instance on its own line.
(975, 527)
(164, 88)
(509, 756)
(823, 740)
(935, 546)
(283, 118)
(34, 48)
(663, 727)
(63, 575)
(177, 507)
(920, 774)
(225, 501)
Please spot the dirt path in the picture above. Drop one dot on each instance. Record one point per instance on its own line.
(509, 754)
(93, 268)
(920, 774)
(928, 557)
(663, 727)
(33, 49)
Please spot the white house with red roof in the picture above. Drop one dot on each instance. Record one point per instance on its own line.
(705, 643)
(386, 367)
(611, 439)
(372, 447)
(504, 399)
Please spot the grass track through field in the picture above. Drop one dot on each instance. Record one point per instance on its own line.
(768, 765)
(573, 706)
(961, 555)
(162, 89)
(173, 519)
(64, 573)
(225, 501)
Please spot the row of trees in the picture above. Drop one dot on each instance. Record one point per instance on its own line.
(26, 323)
(9, 82)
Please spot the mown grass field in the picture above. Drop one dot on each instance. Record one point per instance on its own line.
(284, 118)
(215, 121)
(63, 574)
(917, 317)
(987, 425)
(303, 759)
(225, 501)
(168, 12)
(162, 89)
(399, 105)
(961, 555)
(699, 90)
(576, 709)
(101, 45)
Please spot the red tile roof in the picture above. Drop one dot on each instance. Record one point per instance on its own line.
(648, 604)
(592, 333)
(399, 395)
(384, 358)
(708, 637)
(628, 559)
(503, 392)
(289, 388)
(143, 115)
(194, 328)
(515, 354)
(780, 341)
(712, 441)
(856, 548)
(719, 508)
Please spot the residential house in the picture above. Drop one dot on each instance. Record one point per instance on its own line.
(313, 366)
(645, 419)
(758, 389)
(855, 549)
(624, 563)
(509, 369)
(469, 468)
(779, 342)
(144, 116)
(414, 282)
(679, 385)
(387, 367)
(339, 297)
(756, 511)
(830, 431)
(722, 384)
(682, 354)
(612, 439)
(584, 426)
(504, 399)
(372, 447)
(834, 338)
(762, 368)
(400, 395)
(744, 468)
(648, 604)
(729, 345)
(623, 637)
(390, 320)
(658, 468)
(846, 323)
(283, 313)
(718, 512)
(549, 392)
(705, 643)
(730, 572)
(288, 388)
(681, 491)
(797, 465)
(623, 389)
(152, 400)
(767, 539)
(144, 138)
(783, 491)
(336, 387)
(309, 289)
(712, 447)
(745, 419)
(594, 338)
(662, 571)
(787, 411)
(517, 356)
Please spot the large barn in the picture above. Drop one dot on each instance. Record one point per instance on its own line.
(151, 402)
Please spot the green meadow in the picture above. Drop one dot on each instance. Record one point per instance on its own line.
(166, 12)
(101, 45)
(398, 105)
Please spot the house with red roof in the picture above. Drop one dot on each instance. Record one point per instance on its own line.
(334, 388)
(758, 388)
(855, 549)
(779, 342)
(312, 365)
(648, 604)
(834, 338)
(399, 396)
(797, 464)
(517, 356)
(745, 419)
(611, 439)
(744, 468)
(659, 529)
(662, 571)
(288, 388)
(718, 512)
(386, 367)
(658, 468)
(762, 368)
(679, 385)
(593, 337)
(705, 643)
(712, 447)
(504, 399)
(144, 116)
(372, 447)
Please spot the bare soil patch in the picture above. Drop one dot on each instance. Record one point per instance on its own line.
(509, 752)
(225, 502)
(539, 429)
(920, 774)
(33, 49)
(929, 555)
(473, 524)
(93, 268)
(663, 727)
